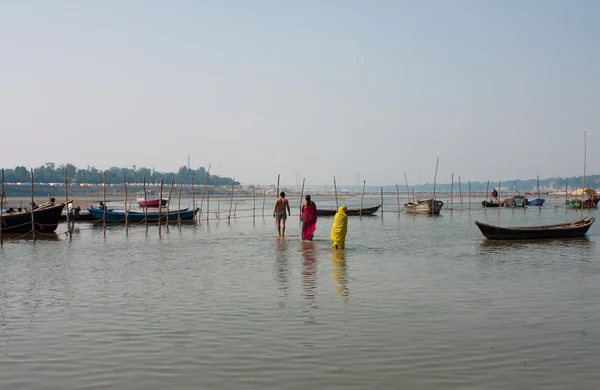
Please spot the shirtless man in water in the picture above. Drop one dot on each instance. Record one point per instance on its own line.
(281, 204)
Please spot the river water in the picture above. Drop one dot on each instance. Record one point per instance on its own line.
(414, 302)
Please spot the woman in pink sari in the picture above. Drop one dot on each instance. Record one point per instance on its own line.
(308, 216)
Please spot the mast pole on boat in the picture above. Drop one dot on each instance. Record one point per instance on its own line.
(407, 189)
(584, 166)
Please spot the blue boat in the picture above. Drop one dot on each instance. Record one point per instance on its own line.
(119, 216)
(536, 202)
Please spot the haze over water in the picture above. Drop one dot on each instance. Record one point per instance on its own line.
(413, 302)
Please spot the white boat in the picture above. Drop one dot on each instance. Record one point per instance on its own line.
(427, 206)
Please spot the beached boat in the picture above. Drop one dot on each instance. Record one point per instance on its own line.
(427, 206)
(151, 199)
(536, 202)
(323, 212)
(119, 216)
(45, 219)
(562, 230)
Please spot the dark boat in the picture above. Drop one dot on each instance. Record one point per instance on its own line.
(119, 216)
(489, 204)
(536, 202)
(428, 206)
(331, 212)
(45, 219)
(562, 230)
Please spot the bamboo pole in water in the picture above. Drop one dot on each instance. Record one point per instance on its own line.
(301, 197)
(413, 193)
(398, 198)
(487, 194)
(1, 208)
(538, 193)
(264, 198)
(451, 193)
(193, 199)
(69, 230)
(179, 203)
(32, 203)
(469, 197)
(207, 196)
(104, 203)
(231, 200)
(460, 193)
(566, 194)
(253, 204)
(381, 194)
(434, 182)
(277, 192)
(499, 197)
(362, 197)
(169, 202)
(234, 209)
(218, 212)
(126, 210)
(160, 209)
(335, 192)
(407, 189)
(146, 205)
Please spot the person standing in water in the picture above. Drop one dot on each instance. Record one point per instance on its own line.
(281, 204)
(308, 212)
(339, 229)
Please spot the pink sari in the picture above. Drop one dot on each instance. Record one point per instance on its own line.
(309, 221)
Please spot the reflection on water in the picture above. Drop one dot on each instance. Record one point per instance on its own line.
(339, 272)
(29, 237)
(309, 279)
(281, 269)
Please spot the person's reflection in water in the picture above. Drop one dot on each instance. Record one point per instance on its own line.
(282, 270)
(339, 272)
(309, 278)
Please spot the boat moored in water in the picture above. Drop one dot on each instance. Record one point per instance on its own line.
(562, 230)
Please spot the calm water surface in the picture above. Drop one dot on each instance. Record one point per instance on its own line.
(413, 302)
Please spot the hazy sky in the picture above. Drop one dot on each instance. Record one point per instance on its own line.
(495, 89)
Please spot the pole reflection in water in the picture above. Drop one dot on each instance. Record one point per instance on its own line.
(281, 271)
(309, 279)
(339, 272)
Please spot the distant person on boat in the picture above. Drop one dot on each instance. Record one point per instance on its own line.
(339, 229)
(102, 206)
(281, 204)
(495, 196)
(308, 216)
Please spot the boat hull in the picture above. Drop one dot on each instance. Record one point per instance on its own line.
(566, 230)
(424, 207)
(113, 216)
(350, 212)
(152, 202)
(536, 202)
(45, 219)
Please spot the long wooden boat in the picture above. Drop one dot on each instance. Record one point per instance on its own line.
(119, 216)
(45, 217)
(427, 206)
(331, 212)
(589, 203)
(562, 230)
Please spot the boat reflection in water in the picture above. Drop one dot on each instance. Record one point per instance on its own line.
(339, 273)
(7, 237)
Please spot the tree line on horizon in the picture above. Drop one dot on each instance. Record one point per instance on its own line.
(52, 173)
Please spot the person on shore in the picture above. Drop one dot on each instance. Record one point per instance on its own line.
(281, 204)
(308, 212)
(339, 229)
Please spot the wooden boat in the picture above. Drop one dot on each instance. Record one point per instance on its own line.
(536, 202)
(562, 230)
(119, 216)
(331, 212)
(46, 218)
(427, 206)
(587, 204)
(151, 199)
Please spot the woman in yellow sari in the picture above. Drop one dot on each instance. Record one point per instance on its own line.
(339, 229)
